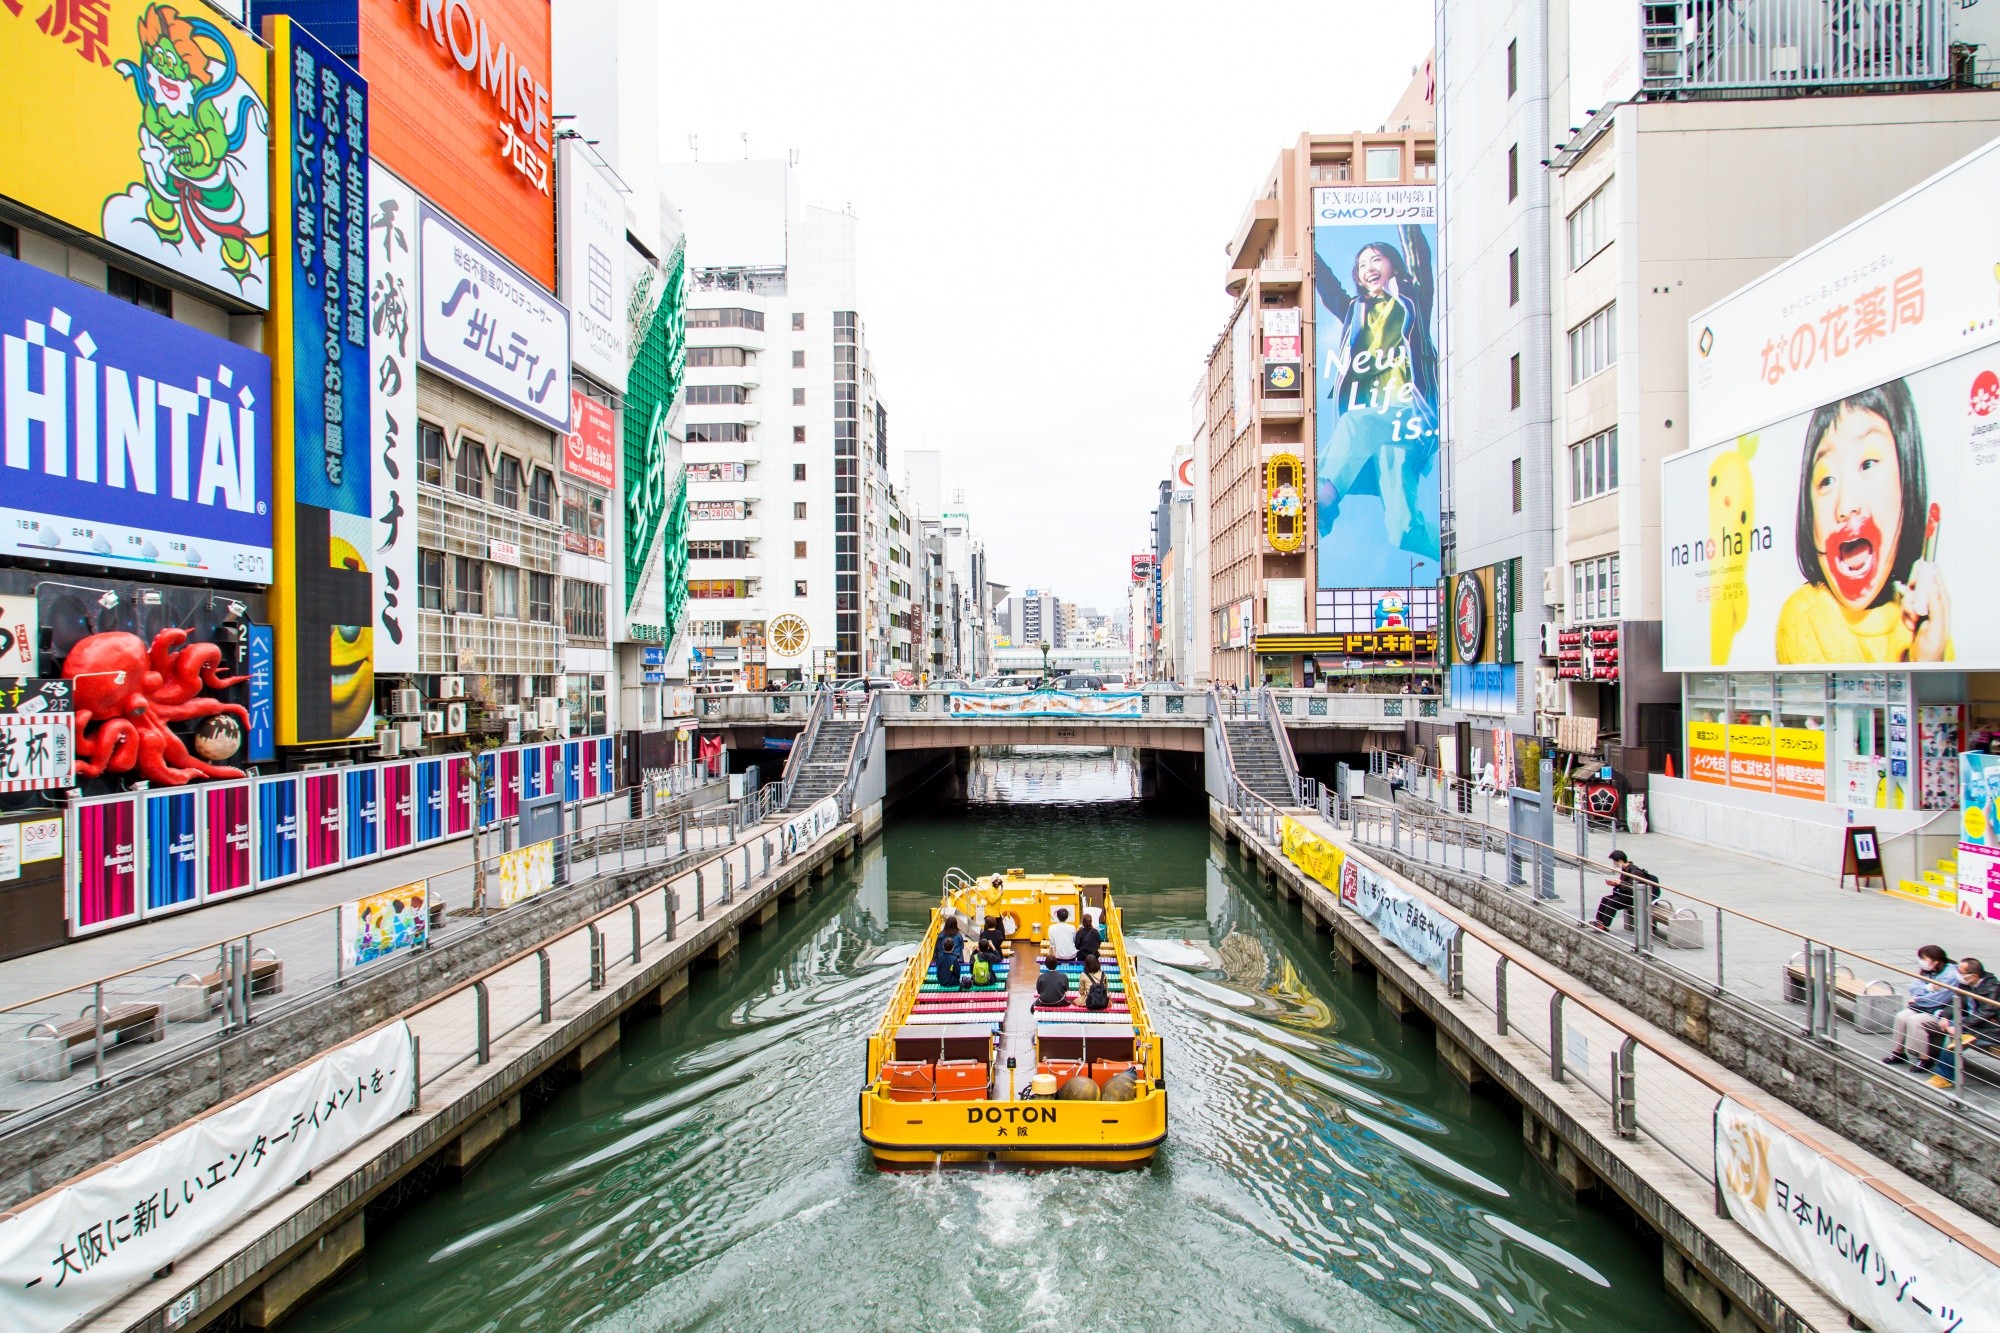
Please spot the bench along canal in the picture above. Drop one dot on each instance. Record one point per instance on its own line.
(1322, 1168)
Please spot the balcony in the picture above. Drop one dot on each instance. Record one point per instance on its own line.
(750, 376)
(1698, 47)
(1253, 233)
(749, 568)
(460, 526)
(474, 645)
(1282, 409)
(750, 491)
(724, 529)
(750, 340)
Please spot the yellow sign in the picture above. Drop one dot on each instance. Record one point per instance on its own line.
(144, 124)
(527, 871)
(1312, 853)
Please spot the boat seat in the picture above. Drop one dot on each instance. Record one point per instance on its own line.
(1078, 1014)
(958, 1018)
(961, 1081)
(908, 1080)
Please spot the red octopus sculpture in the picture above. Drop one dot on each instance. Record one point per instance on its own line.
(130, 695)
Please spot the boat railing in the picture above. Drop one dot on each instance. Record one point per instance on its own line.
(956, 881)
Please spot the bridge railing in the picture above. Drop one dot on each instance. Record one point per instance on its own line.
(795, 762)
(1308, 708)
(936, 705)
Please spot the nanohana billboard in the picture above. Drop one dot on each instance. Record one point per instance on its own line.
(1847, 453)
(1376, 479)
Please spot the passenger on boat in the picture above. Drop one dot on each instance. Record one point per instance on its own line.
(1095, 989)
(1052, 987)
(994, 932)
(950, 956)
(1088, 941)
(1062, 936)
(989, 948)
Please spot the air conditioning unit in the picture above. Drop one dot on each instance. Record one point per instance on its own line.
(548, 712)
(411, 734)
(1552, 587)
(454, 718)
(407, 703)
(451, 687)
(508, 712)
(527, 684)
(388, 744)
(434, 722)
(1548, 691)
(1551, 640)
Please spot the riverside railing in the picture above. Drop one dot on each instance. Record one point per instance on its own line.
(64, 1044)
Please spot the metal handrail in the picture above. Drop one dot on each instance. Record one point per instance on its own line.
(871, 722)
(795, 762)
(1267, 706)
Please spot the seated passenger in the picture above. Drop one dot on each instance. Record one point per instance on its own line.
(994, 933)
(950, 956)
(1052, 987)
(989, 949)
(1062, 936)
(1095, 989)
(1088, 941)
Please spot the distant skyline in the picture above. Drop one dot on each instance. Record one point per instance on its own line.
(1044, 193)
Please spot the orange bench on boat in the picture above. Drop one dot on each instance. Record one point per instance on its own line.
(908, 1080)
(961, 1081)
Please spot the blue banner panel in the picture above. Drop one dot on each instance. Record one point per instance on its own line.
(572, 771)
(263, 698)
(364, 813)
(277, 830)
(171, 851)
(430, 800)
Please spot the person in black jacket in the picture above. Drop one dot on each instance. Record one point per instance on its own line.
(1052, 987)
(1088, 941)
(950, 955)
(1624, 890)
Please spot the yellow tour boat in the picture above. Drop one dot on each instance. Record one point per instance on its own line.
(965, 1073)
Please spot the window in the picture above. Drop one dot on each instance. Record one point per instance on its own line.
(506, 583)
(583, 522)
(430, 580)
(798, 358)
(1513, 68)
(798, 435)
(798, 472)
(469, 580)
(430, 454)
(10, 241)
(1595, 583)
(470, 478)
(1516, 471)
(583, 609)
(707, 395)
(719, 432)
(798, 397)
(1513, 277)
(1593, 345)
(1593, 466)
(507, 483)
(735, 549)
(798, 321)
(146, 295)
(541, 598)
(798, 587)
(719, 356)
(1385, 164)
(541, 495)
(1513, 173)
(798, 509)
(1514, 380)
(1590, 227)
(726, 319)
(798, 550)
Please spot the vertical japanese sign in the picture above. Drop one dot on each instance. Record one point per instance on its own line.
(324, 592)
(263, 686)
(37, 750)
(591, 273)
(392, 347)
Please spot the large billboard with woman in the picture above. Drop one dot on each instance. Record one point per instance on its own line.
(1377, 409)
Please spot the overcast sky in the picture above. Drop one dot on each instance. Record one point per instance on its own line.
(1044, 192)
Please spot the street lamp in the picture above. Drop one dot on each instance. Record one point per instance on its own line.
(1044, 645)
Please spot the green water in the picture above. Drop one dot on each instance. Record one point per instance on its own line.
(1322, 1169)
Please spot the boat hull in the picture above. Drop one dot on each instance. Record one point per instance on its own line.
(1024, 1133)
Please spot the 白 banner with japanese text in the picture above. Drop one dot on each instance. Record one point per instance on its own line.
(392, 348)
(37, 750)
(1404, 919)
(1046, 703)
(91, 1243)
(803, 831)
(1888, 1267)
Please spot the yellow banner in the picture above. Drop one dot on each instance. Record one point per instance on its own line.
(1312, 853)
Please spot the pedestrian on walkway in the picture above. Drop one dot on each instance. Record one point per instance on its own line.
(1980, 998)
(1928, 995)
(1624, 890)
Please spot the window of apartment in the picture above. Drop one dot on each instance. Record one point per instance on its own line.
(798, 397)
(507, 483)
(506, 592)
(541, 494)
(1593, 345)
(1513, 173)
(430, 580)
(719, 549)
(1385, 164)
(1593, 466)
(720, 356)
(583, 609)
(1513, 68)
(798, 587)
(798, 472)
(798, 358)
(798, 550)
(583, 520)
(726, 319)
(798, 509)
(798, 435)
(798, 321)
(1590, 227)
(1515, 472)
(430, 454)
(1595, 584)
(541, 598)
(1513, 277)
(469, 479)
(131, 287)
(708, 395)
(718, 432)
(1514, 380)
(469, 583)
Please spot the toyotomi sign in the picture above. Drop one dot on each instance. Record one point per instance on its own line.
(488, 327)
(1845, 412)
(592, 268)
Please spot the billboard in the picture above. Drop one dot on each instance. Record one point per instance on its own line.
(143, 124)
(1845, 410)
(1376, 424)
(653, 479)
(1241, 369)
(1604, 58)
(323, 594)
(592, 271)
(392, 348)
(462, 113)
(132, 441)
(483, 323)
(588, 448)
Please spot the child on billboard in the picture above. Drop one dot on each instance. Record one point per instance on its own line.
(1866, 537)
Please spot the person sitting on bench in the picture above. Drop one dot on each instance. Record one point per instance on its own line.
(1052, 987)
(1624, 890)
(1088, 940)
(1062, 936)
(1978, 1000)
(950, 955)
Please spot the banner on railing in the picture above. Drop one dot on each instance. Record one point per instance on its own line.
(1046, 703)
(101, 1239)
(1888, 1266)
(385, 923)
(1405, 920)
(527, 871)
(1312, 853)
(798, 834)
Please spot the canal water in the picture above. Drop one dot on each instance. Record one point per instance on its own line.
(1323, 1170)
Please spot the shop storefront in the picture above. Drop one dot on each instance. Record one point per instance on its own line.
(1389, 660)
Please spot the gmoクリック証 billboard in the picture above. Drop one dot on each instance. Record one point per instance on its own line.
(1376, 480)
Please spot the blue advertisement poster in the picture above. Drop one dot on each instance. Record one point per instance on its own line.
(364, 813)
(572, 771)
(262, 670)
(607, 765)
(277, 830)
(132, 441)
(171, 851)
(1376, 450)
(430, 800)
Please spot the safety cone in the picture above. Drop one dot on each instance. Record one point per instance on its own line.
(1670, 764)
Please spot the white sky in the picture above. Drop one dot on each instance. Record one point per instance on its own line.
(1044, 192)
